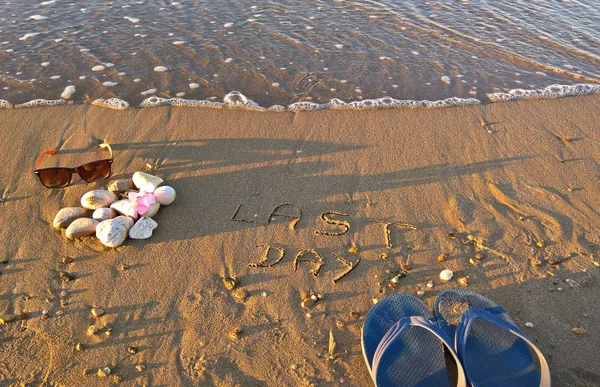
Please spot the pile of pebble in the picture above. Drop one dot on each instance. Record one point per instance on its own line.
(113, 218)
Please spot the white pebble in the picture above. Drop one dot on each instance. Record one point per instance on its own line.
(339, 46)
(109, 83)
(529, 325)
(38, 17)
(45, 64)
(227, 25)
(228, 60)
(98, 68)
(194, 85)
(132, 19)
(160, 69)
(445, 79)
(147, 92)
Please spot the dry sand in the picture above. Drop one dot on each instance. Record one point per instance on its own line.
(438, 169)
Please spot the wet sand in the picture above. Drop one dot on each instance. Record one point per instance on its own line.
(533, 179)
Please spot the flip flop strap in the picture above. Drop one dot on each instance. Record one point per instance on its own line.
(401, 326)
(466, 323)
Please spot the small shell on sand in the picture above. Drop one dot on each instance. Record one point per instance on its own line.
(230, 283)
(307, 303)
(97, 199)
(103, 372)
(240, 294)
(6, 318)
(97, 312)
(446, 275)
(92, 330)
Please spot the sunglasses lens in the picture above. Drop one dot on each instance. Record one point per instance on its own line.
(94, 171)
(55, 177)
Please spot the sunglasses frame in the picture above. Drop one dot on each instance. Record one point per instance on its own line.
(52, 152)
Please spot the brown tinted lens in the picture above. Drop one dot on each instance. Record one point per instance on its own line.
(55, 177)
(94, 171)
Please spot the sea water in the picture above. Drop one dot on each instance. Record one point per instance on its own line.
(297, 55)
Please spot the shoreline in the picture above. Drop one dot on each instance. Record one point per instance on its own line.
(529, 175)
(237, 100)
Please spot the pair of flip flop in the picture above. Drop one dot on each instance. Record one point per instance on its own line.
(405, 345)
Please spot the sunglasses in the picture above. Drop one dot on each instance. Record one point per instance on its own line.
(59, 177)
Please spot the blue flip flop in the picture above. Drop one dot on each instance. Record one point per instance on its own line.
(403, 346)
(493, 350)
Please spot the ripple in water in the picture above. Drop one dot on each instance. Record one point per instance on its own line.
(298, 55)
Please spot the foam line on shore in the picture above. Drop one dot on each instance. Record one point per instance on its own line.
(237, 100)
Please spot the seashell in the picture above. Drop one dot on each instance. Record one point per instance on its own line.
(236, 333)
(112, 232)
(152, 210)
(143, 228)
(464, 281)
(420, 293)
(6, 318)
(430, 284)
(446, 275)
(79, 347)
(124, 207)
(479, 256)
(165, 195)
(81, 227)
(120, 185)
(92, 330)
(66, 260)
(97, 312)
(307, 303)
(579, 331)
(441, 257)
(140, 367)
(103, 372)
(230, 283)
(66, 216)
(132, 350)
(104, 214)
(97, 199)
(240, 294)
(146, 182)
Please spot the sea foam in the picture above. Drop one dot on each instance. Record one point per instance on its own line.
(112, 103)
(552, 91)
(42, 102)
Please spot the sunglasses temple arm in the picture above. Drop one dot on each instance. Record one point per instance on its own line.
(39, 160)
(106, 146)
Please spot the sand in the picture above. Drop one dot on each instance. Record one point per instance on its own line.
(533, 179)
